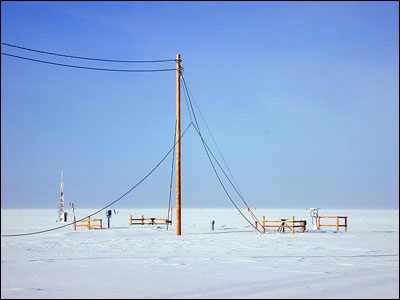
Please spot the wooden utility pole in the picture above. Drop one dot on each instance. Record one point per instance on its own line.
(178, 144)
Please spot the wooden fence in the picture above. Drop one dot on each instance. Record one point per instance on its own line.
(284, 224)
(149, 221)
(337, 225)
(89, 224)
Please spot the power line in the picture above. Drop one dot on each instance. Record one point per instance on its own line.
(235, 186)
(89, 58)
(206, 148)
(119, 198)
(215, 142)
(186, 100)
(172, 173)
(88, 68)
(219, 179)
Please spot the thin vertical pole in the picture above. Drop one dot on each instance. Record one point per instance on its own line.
(337, 223)
(178, 144)
(263, 224)
(293, 225)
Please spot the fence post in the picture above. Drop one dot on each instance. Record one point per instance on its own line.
(293, 225)
(142, 220)
(303, 226)
(101, 223)
(88, 222)
(130, 220)
(345, 223)
(319, 220)
(74, 223)
(256, 225)
(337, 223)
(263, 224)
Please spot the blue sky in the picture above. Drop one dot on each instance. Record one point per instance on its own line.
(301, 97)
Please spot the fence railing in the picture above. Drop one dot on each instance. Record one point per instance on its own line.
(284, 223)
(337, 225)
(91, 223)
(149, 221)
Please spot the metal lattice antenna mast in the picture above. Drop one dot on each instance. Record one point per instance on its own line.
(61, 203)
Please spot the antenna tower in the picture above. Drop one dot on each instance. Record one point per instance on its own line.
(61, 203)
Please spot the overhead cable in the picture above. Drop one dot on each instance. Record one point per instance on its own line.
(90, 58)
(87, 68)
(172, 173)
(212, 136)
(234, 184)
(119, 198)
(197, 128)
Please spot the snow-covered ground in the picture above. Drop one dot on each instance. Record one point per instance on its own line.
(233, 261)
